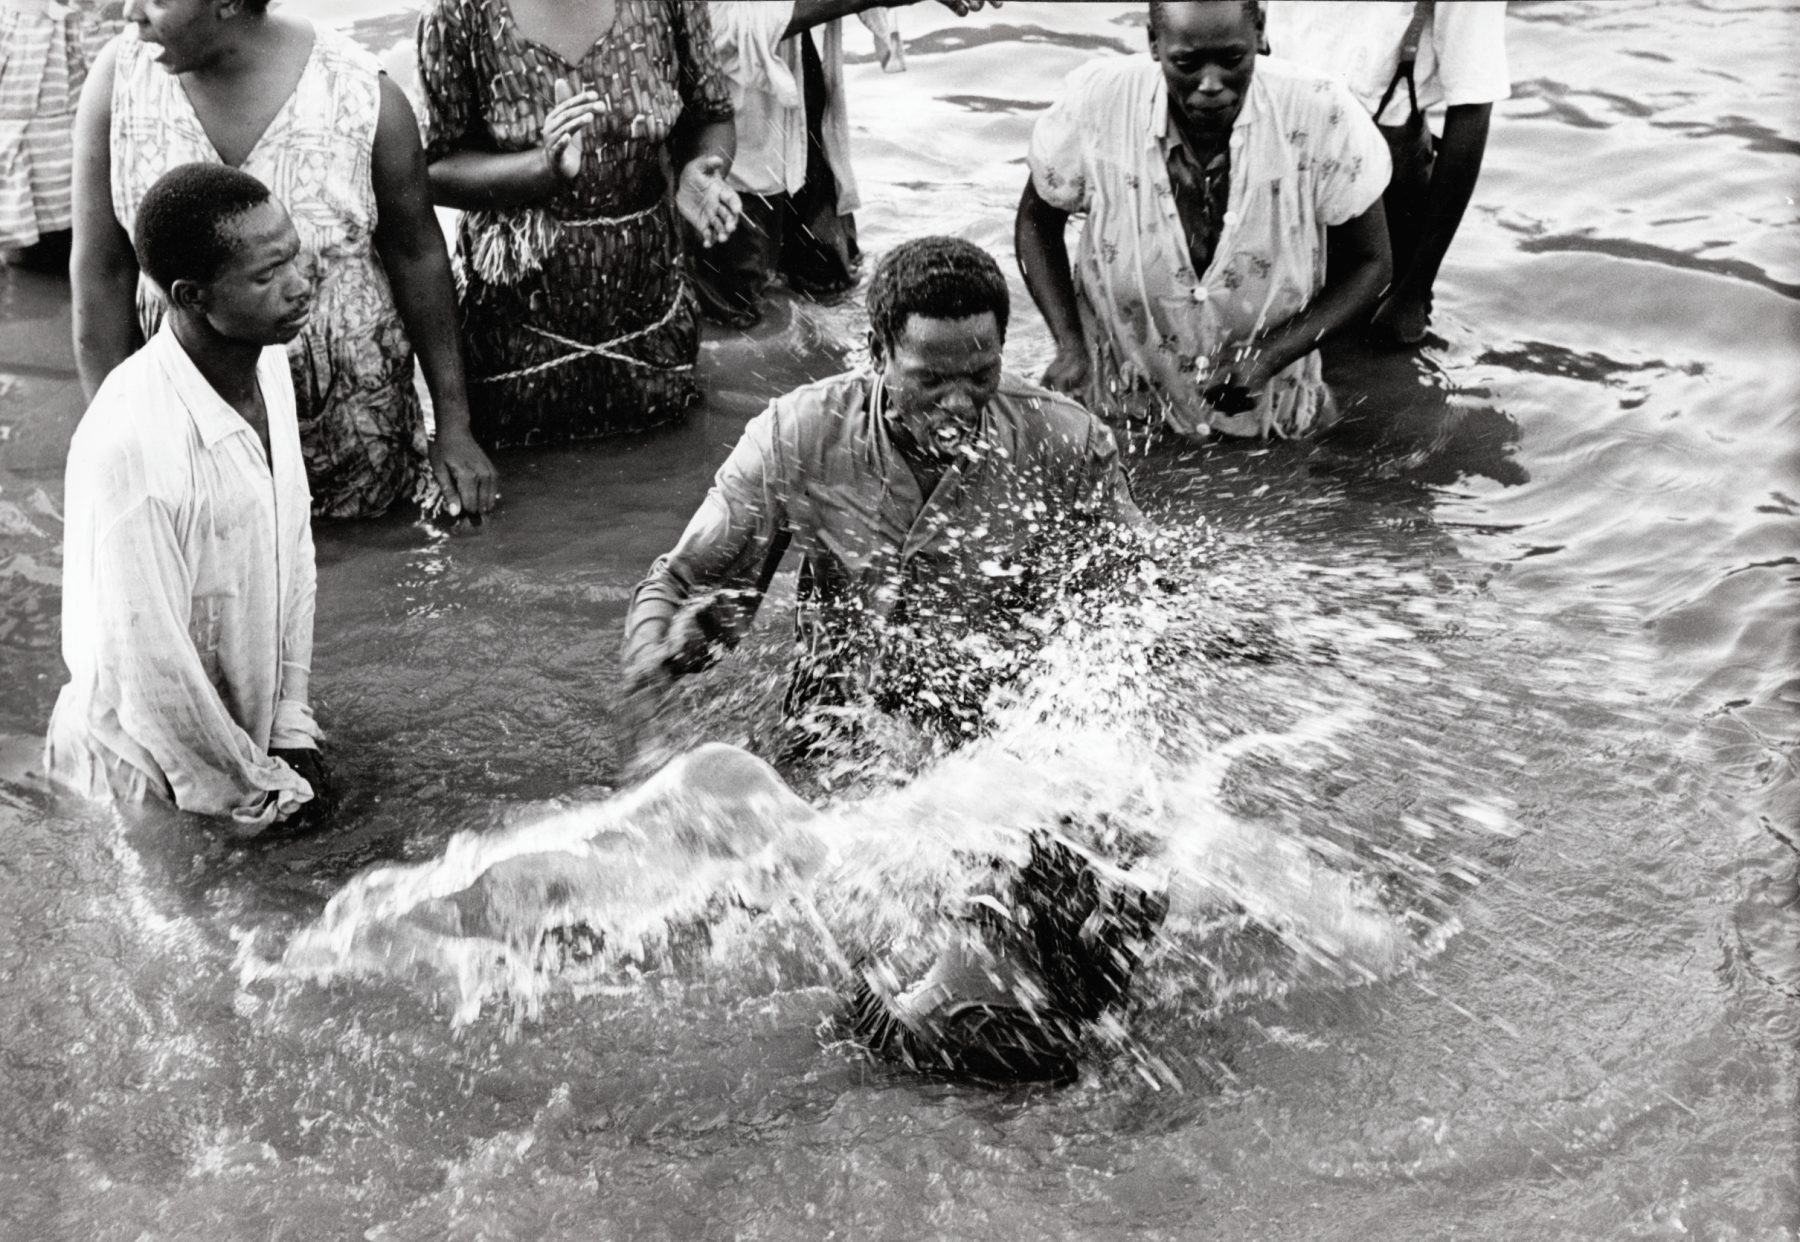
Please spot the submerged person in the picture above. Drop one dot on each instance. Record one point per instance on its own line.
(793, 169)
(1451, 53)
(1233, 221)
(919, 491)
(310, 114)
(188, 573)
(549, 125)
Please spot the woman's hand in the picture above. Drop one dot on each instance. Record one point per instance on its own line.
(706, 201)
(1068, 371)
(466, 477)
(1236, 385)
(563, 125)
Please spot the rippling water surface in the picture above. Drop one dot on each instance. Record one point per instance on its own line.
(1494, 903)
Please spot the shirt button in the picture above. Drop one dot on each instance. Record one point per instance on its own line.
(1231, 217)
(1200, 294)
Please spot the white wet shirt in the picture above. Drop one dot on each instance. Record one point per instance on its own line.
(1462, 50)
(768, 95)
(1304, 157)
(188, 587)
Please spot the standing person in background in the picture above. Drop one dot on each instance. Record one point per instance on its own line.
(188, 557)
(548, 125)
(311, 115)
(1401, 59)
(45, 48)
(1233, 221)
(793, 169)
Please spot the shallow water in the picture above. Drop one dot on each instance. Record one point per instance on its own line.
(1558, 573)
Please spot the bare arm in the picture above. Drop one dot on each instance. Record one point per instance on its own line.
(102, 267)
(1358, 267)
(1407, 308)
(496, 181)
(411, 247)
(810, 13)
(1044, 260)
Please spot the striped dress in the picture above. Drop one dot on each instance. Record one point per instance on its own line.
(45, 49)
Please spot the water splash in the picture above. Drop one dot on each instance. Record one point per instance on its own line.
(1151, 708)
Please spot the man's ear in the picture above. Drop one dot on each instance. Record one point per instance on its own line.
(191, 295)
(877, 351)
(225, 10)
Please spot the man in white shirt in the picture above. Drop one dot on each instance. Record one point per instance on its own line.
(1460, 67)
(188, 559)
(792, 168)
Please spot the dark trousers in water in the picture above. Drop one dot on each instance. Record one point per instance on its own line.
(800, 235)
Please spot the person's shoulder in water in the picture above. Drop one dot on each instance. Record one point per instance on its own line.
(1050, 417)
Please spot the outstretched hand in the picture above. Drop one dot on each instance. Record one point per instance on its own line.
(706, 200)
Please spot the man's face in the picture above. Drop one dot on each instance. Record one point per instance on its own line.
(940, 375)
(259, 295)
(182, 34)
(1208, 53)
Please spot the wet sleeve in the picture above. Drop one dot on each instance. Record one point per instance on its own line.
(294, 727)
(1108, 493)
(705, 90)
(150, 675)
(747, 35)
(729, 540)
(1468, 41)
(1350, 158)
(446, 77)
(1057, 154)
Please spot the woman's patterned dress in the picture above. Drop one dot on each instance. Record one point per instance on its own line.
(576, 317)
(361, 427)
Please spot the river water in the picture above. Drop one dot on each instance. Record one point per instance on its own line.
(1532, 689)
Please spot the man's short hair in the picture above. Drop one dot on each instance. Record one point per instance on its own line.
(182, 228)
(1252, 8)
(939, 278)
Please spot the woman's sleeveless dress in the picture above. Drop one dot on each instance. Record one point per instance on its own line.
(361, 427)
(575, 313)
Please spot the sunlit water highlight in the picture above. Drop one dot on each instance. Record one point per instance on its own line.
(1492, 932)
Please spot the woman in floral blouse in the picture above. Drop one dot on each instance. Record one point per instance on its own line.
(547, 123)
(1233, 220)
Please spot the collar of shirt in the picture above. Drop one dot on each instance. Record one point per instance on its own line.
(212, 414)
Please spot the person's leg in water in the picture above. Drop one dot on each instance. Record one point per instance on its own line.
(732, 277)
(801, 236)
(819, 256)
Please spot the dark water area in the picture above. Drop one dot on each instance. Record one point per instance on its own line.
(1553, 566)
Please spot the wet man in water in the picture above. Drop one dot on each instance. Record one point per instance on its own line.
(1233, 221)
(188, 557)
(928, 495)
(924, 494)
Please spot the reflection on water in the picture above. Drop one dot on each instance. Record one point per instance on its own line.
(1488, 880)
